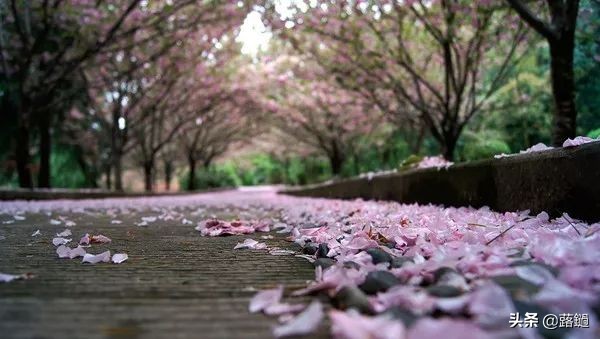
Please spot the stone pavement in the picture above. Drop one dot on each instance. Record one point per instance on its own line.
(175, 284)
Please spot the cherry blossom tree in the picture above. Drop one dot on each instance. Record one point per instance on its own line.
(436, 61)
(231, 117)
(312, 108)
(44, 45)
(123, 76)
(559, 30)
(214, 132)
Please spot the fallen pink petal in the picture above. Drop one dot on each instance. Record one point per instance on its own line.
(94, 239)
(64, 233)
(283, 308)
(97, 258)
(352, 325)
(580, 140)
(118, 258)
(6, 278)
(251, 244)
(60, 241)
(303, 324)
(67, 252)
(351, 169)
(264, 299)
(446, 328)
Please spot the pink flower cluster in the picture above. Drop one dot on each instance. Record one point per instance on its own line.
(414, 271)
(214, 227)
(492, 263)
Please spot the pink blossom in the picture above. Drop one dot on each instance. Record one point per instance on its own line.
(265, 299)
(304, 323)
(352, 325)
(580, 140)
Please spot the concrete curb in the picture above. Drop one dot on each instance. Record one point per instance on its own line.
(556, 181)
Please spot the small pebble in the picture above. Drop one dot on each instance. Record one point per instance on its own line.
(324, 262)
(379, 256)
(322, 251)
(378, 281)
(402, 314)
(352, 297)
(397, 262)
(351, 264)
(444, 291)
(309, 248)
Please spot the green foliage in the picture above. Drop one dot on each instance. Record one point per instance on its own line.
(587, 67)
(8, 178)
(594, 133)
(261, 169)
(65, 171)
(482, 145)
(268, 169)
(381, 152)
(410, 161)
(212, 177)
(522, 116)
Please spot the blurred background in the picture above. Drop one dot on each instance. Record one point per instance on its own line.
(173, 95)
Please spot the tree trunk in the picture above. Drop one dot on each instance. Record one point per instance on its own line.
(148, 175)
(118, 169)
(89, 172)
(448, 146)
(563, 89)
(116, 151)
(108, 176)
(23, 157)
(168, 174)
(560, 34)
(415, 147)
(192, 174)
(45, 149)
(356, 163)
(336, 161)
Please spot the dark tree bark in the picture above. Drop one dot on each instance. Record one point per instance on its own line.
(336, 160)
(563, 89)
(448, 147)
(191, 174)
(118, 170)
(90, 172)
(560, 34)
(355, 163)
(116, 149)
(23, 156)
(148, 175)
(415, 147)
(168, 174)
(45, 148)
(108, 174)
(448, 141)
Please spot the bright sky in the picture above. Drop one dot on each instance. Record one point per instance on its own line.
(253, 35)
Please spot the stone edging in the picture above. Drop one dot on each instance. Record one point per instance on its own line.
(555, 181)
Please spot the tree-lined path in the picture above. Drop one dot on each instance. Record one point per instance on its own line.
(175, 282)
(206, 265)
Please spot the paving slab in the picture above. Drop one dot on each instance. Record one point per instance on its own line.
(175, 283)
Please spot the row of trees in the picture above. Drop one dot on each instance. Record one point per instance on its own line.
(434, 65)
(122, 79)
(162, 84)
